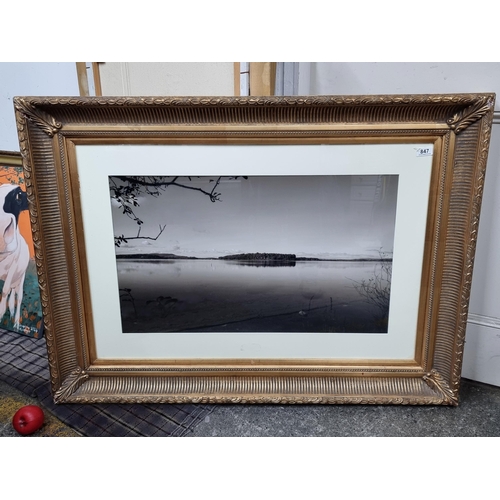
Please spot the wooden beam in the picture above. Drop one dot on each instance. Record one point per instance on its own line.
(83, 82)
(97, 78)
(237, 79)
(262, 78)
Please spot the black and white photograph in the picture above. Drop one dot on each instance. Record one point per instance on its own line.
(277, 253)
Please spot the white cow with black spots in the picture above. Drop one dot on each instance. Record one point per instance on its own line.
(14, 252)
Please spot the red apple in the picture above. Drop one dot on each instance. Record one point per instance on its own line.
(28, 419)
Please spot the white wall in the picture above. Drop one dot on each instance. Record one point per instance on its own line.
(399, 78)
(482, 349)
(30, 79)
(167, 78)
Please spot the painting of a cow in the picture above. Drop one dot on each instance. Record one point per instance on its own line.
(14, 251)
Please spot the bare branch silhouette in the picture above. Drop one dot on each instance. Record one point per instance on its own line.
(125, 191)
(124, 239)
(377, 289)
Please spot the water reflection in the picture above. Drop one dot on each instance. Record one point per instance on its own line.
(215, 295)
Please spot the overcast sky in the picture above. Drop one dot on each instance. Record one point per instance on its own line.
(310, 216)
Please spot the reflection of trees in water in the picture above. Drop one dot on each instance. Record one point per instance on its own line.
(262, 263)
(161, 306)
(230, 303)
(377, 291)
(126, 296)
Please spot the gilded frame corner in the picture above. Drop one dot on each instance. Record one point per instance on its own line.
(459, 127)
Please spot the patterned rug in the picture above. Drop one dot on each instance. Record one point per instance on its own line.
(11, 400)
(24, 365)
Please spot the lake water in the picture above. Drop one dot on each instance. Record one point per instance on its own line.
(228, 296)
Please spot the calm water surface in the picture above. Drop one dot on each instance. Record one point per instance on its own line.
(214, 295)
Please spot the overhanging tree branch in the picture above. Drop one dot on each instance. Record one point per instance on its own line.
(124, 239)
(161, 183)
(125, 191)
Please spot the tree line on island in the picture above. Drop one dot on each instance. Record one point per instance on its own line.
(246, 257)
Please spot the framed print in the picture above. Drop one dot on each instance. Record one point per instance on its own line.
(255, 249)
(20, 304)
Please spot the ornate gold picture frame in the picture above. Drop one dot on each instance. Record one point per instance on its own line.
(255, 250)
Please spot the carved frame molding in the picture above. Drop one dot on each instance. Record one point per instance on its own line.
(461, 121)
